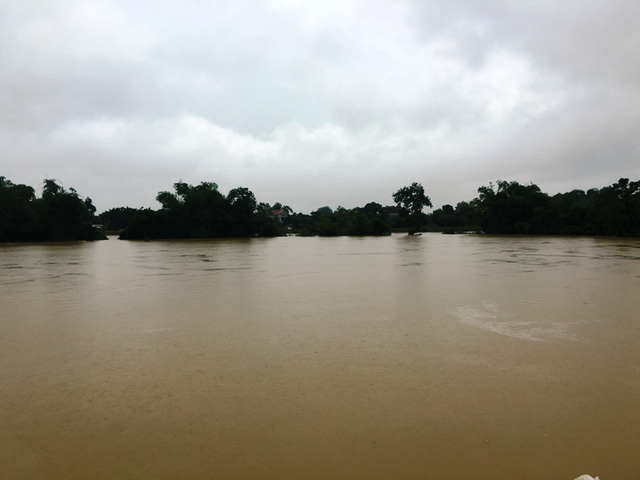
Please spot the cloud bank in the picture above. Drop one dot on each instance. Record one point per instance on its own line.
(318, 103)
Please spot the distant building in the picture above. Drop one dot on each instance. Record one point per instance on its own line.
(280, 214)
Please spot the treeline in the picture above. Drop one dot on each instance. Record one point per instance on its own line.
(512, 208)
(202, 211)
(372, 219)
(500, 208)
(58, 214)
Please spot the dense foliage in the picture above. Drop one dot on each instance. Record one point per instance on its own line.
(201, 211)
(509, 207)
(372, 219)
(58, 214)
(117, 219)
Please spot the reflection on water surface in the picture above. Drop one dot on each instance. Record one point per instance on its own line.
(397, 357)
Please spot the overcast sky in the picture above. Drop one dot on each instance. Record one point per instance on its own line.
(315, 103)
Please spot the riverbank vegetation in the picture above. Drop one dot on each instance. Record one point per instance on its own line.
(512, 208)
(202, 211)
(58, 214)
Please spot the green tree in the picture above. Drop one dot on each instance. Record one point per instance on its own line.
(18, 219)
(201, 211)
(243, 208)
(617, 208)
(571, 213)
(117, 218)
(412, 200)
(64, 214)
(325, 222)
(511, 207)
(58, 215)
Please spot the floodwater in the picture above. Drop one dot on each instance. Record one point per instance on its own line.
(435, 356)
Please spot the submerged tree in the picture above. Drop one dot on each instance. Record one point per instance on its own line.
(201, 211)
(412, 200)
(58, 215)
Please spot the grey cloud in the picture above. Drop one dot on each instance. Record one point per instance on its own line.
(318, 103)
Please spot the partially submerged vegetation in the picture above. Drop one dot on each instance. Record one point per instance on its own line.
(512, 208)
(57, 215)
(202, 211)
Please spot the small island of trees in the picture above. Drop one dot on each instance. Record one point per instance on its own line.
(202, 211)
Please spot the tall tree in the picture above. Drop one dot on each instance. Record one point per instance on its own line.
(412, 200)
(243, 208)
(18, 219)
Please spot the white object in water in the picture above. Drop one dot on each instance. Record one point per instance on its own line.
(586, 477)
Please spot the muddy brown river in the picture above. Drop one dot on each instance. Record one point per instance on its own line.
(435, 357)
